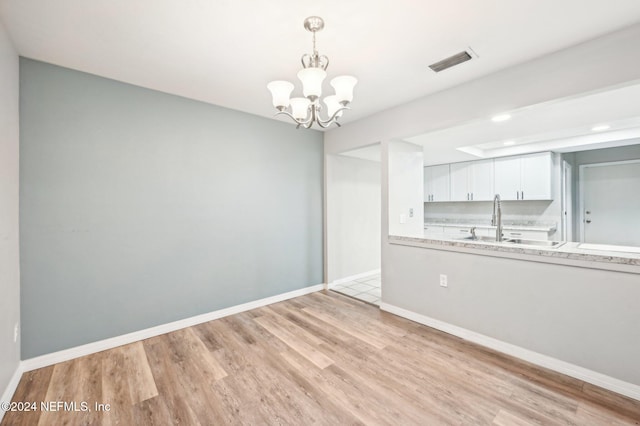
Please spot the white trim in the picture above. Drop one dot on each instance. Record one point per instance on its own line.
(607, 382)
(11, 387)
(90, 348)
(353, 277)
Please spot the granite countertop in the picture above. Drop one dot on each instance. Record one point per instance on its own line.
(519, 225)
(568, 251)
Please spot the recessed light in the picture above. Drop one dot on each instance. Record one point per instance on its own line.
(600, 128)
(500, 117)
(508, 143)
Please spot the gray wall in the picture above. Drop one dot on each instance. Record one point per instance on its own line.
(605, 155)
(586, 317)
(139, 208)
(9, 260)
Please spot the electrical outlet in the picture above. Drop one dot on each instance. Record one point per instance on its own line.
(410, 212)
(15, 333)
(443, 281)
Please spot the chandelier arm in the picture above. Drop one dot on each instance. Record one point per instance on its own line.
(313, 117)
(299, 122)
(326, 123)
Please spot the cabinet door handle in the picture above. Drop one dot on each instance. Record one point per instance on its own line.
(515, 233)
(472, 196)
(522, 197)
(517, 195)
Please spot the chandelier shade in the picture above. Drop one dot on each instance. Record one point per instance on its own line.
(343, 86)
(280, 91)
(306, 111)
(332, 105)
(299, 108)
(312, 79)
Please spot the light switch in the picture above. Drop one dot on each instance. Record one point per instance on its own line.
(403, 218)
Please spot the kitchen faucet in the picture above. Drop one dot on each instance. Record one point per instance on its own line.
(496, 217)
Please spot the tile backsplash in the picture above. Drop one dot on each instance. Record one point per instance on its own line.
(480, 212)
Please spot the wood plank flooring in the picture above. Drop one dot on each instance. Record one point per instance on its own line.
(321, 359)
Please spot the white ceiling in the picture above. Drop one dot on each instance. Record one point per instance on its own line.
(225, 51)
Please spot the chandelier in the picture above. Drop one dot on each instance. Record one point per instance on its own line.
(306, 111)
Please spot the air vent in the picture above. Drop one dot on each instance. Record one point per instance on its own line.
(451, 61)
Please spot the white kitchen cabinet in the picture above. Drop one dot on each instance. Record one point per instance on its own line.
(436, 183)
(462, 231)
(472, 181)
(526, 177)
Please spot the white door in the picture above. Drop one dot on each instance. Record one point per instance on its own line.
(611, 203)
(427, 183)
(440, 183)
(436, 183)
(507, 177)
(460, 182)
(481, 180)
(536, 177)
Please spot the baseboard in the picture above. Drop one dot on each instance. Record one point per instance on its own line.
(94, 347)
(353, 277)
(607, 382)
(7, 395)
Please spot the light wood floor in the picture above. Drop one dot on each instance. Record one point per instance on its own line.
(317, 359)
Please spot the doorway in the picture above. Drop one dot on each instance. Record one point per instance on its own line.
(353, 206)
(609, 205)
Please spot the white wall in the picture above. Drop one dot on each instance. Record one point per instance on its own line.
(406, 193)
(9, 248)
(353, 216)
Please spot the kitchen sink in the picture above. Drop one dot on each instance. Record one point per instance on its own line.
(483, 238)
(535, 243)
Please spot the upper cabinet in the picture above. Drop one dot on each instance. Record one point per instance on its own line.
(436, 183)
(472, 181)
(527, 177)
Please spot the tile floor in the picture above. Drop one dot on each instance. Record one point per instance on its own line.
(365, 288)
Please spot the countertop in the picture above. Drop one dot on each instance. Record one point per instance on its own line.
(568, 253)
